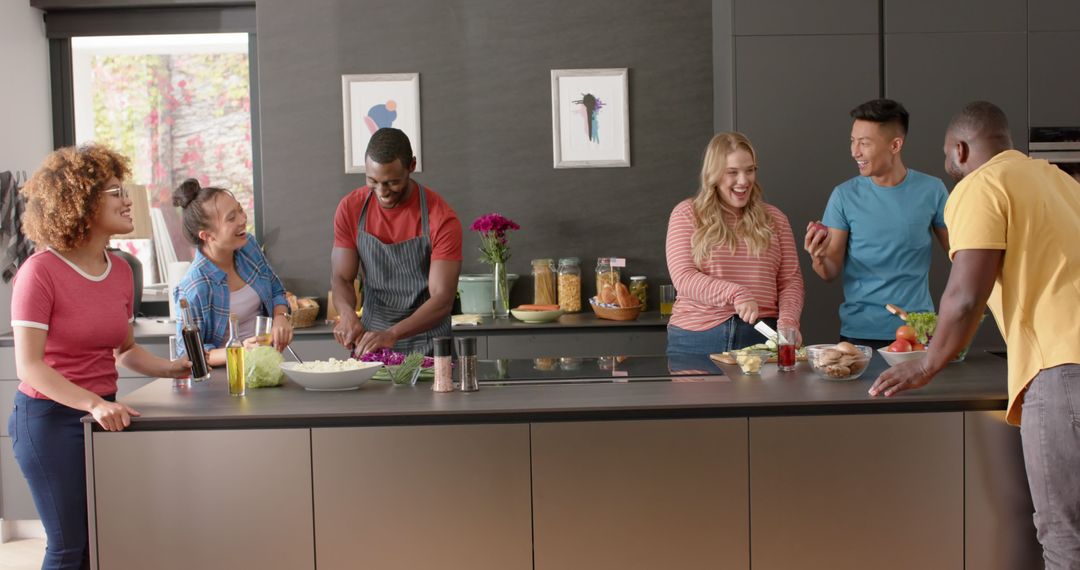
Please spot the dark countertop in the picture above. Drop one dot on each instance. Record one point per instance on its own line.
(156, 330)
(975, 385)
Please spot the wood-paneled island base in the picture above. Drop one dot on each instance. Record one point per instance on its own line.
(781, 470)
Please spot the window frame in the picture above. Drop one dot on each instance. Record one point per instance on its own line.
(62, 25)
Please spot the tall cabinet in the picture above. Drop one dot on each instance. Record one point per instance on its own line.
(799, 68)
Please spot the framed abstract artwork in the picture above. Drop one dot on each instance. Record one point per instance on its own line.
(371, 102)
(590, 117)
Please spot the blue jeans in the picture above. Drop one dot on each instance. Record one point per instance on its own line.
(48, 442)
(731, 334)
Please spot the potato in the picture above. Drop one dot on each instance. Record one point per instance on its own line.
(831, 355)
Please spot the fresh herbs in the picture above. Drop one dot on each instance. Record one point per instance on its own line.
(405, 372)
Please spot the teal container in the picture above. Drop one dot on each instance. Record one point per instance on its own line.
(478, 291)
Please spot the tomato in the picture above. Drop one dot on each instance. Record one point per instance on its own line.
(899, 345)
(905, 332)
(916, 347)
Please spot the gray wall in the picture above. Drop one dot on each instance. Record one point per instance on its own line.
(486, 120)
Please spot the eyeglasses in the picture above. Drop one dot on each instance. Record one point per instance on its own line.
(119, 191)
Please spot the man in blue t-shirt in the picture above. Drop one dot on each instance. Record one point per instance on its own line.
(879, 227)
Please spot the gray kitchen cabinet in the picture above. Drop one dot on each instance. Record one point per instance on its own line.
(919, 16)
(793, 96)
(640, 494)
(934, 76)
(15, 501)
(1047, 15)
(999, 533)
(1054, 78)
(789, 17)
(831, 492)
(423, 497)
(234, 498)
(7, 403)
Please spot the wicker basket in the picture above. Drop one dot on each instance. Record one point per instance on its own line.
(615, 314)
(305, 316)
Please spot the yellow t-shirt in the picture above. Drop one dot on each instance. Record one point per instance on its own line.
(1030, 209)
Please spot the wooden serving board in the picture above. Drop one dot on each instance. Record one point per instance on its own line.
(727, 358)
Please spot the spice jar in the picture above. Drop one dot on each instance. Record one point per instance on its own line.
(569, 284)
(467, 364)
(444, 375)
(605, 275)
(639, 288)
(543, 271)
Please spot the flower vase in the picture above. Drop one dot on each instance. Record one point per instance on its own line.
(501, 302)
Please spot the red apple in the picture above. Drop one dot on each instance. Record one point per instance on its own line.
(819, 226)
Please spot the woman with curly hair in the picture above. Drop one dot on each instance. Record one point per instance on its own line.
(71, 311)
(731, 257)
(229, 275)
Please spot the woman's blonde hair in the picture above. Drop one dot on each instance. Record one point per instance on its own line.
(64, 195)
(754, 227)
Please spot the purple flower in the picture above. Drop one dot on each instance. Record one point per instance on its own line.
(494, 243)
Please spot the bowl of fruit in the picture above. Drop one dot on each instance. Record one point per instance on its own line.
(906, 346)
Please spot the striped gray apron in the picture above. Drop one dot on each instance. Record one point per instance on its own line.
(396, 280)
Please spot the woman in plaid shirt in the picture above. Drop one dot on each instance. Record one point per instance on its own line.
(229, 273)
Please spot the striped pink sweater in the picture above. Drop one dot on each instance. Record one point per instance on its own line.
(705, 296)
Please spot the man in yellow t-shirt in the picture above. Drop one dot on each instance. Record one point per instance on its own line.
(1014, 227)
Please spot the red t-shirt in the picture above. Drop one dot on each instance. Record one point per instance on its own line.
(401, 223)
(86, 317)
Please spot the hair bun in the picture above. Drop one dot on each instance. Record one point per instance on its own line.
(186, 193)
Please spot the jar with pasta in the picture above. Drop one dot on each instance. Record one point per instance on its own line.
(606, 275)
(570, 284)
(543, 271)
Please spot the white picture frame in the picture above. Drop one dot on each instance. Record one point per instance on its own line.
(373, 101)
(584, 135)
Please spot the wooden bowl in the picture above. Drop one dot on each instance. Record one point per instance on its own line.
(615, 314)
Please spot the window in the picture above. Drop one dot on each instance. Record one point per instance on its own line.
(178, 106)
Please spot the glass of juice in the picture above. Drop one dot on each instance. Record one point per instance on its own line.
(667, 300)
(785, 357)
(263, 326)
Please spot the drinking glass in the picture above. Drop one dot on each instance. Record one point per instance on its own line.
(667, 300)
(178, 383)
(263, 326)
(785, 358)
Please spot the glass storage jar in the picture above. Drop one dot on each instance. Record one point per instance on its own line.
(639, 287)
(543, 271)
(606, 275)
(570, 284)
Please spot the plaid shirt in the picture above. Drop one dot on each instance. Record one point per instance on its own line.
(206, 288)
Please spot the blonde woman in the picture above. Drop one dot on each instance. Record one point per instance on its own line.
(731, 257)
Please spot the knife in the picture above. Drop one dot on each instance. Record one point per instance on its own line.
(768, 332)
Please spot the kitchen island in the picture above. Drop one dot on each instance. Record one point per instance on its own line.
(698, 468)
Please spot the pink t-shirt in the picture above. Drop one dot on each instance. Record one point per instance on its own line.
(86, 317)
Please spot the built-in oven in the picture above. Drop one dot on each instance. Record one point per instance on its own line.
(1058, 145)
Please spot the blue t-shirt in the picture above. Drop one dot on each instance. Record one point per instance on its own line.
(888, 249)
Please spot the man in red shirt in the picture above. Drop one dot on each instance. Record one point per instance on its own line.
(404, 241)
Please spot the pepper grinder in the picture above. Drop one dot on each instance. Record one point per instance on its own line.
(467, 364)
